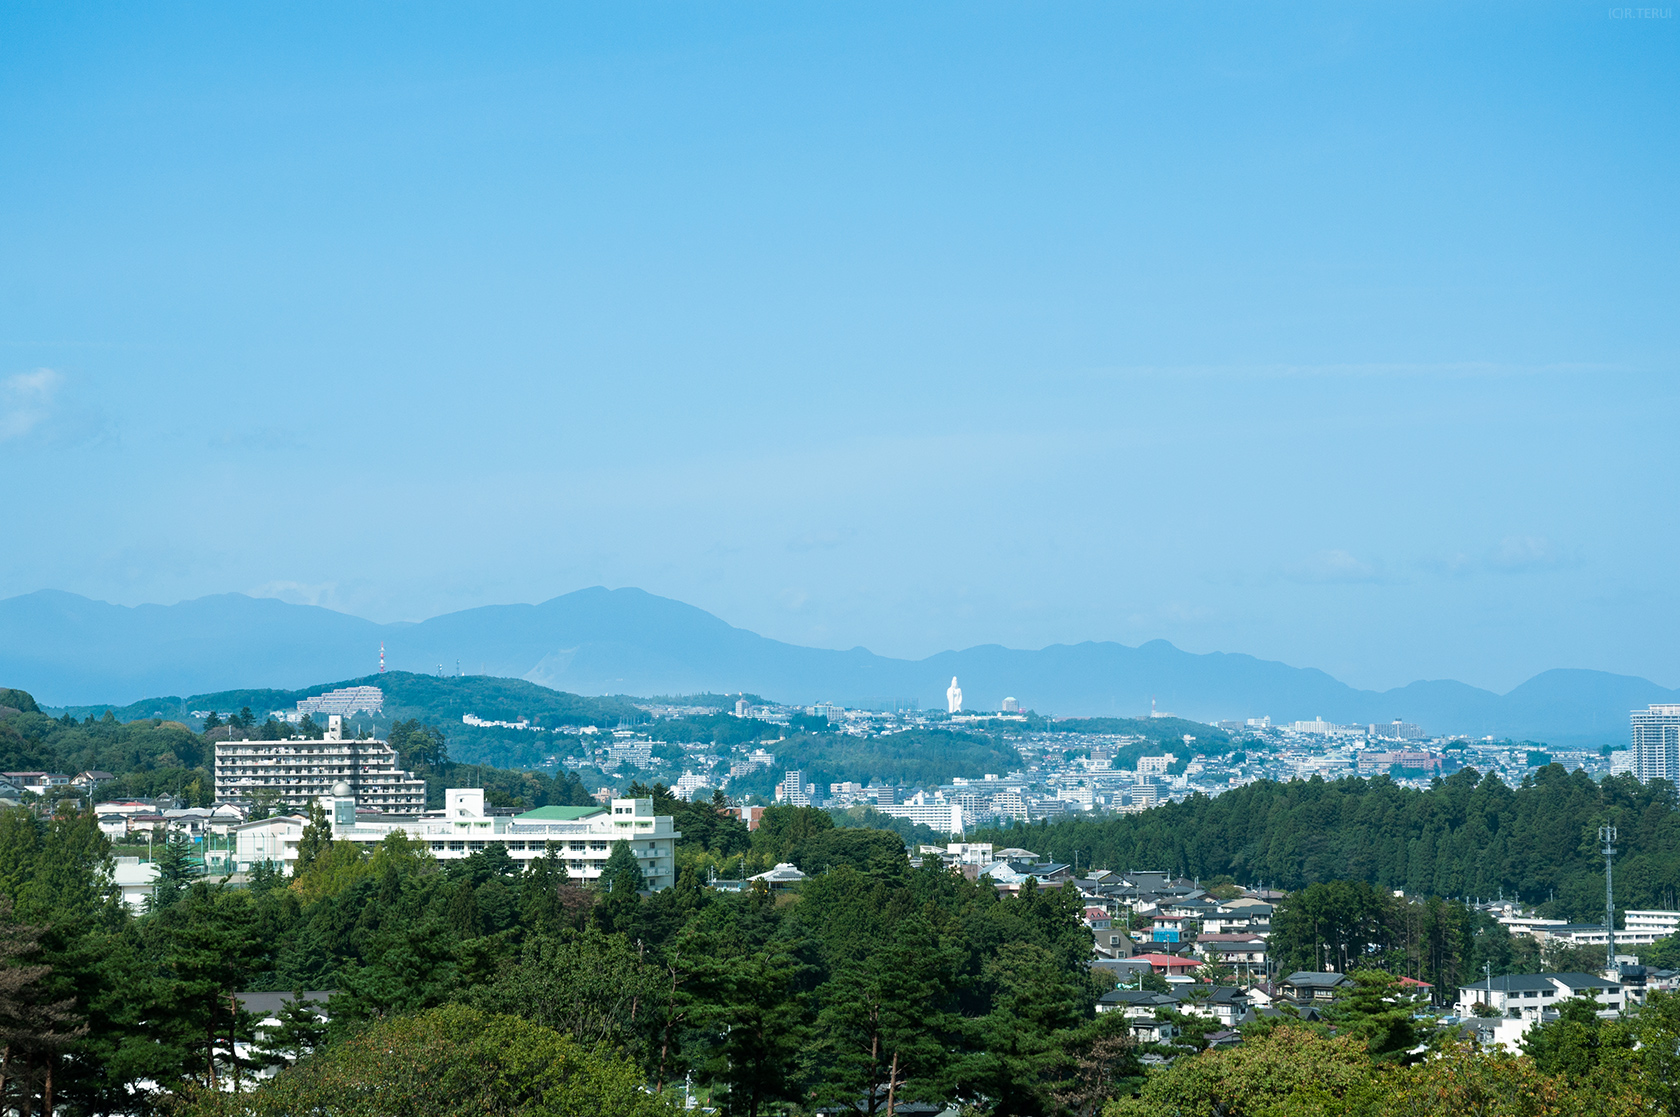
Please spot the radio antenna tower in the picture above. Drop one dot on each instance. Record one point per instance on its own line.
(1607, 835)
(381, 657)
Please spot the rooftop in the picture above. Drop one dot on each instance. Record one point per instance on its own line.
(559, 814)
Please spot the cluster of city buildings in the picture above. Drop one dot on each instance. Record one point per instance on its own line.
(1065, 772)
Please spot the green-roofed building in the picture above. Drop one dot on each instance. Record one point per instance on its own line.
(560, 814)
(583, 837)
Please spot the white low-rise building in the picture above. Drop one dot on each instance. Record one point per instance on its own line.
(134, 878)
(582, 837)
(1594, 934)
(1658, 923)
(1526, 996)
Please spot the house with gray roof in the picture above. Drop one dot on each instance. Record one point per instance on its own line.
(1309, 987)
(1526, 996)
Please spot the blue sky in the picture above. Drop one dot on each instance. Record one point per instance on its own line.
(1338, 334)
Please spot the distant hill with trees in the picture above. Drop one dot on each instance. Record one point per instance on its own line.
(433, 698)
(1468, 836)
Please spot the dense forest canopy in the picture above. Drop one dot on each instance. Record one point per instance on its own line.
(873, 975)
(1466, 836)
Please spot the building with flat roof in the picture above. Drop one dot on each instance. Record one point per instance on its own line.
(1656, 743)
(299, 771)
(1526, 996)
(581, 837)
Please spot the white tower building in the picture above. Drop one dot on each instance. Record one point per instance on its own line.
(1656, 743)
(953, 697)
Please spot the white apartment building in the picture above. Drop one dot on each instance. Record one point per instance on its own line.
(688, 783)
(935, 812)
(794, 789)
(299, 771)
(346, 701)
(1658, 923)
(1656, 743)
(1155, 765)
(582, 837)
(1082, 797)
(1009, 804)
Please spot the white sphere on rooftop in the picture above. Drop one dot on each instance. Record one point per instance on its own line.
(341, 790)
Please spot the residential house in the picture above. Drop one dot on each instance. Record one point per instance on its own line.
(1225, 1003)
(1239, 951)
(1141, 1008)
(134, 878)
(783, 877)
(1526, 996)
(1310, 987)
(1175, 968)
(1167, 928)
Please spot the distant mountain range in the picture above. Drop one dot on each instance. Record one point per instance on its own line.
(70, 650)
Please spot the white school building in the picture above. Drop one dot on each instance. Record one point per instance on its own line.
(582, 837)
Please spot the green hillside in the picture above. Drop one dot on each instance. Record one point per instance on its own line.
(439, 699)
(1467, 836)
(1160, 731)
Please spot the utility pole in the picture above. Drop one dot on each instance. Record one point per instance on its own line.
(1607, 835)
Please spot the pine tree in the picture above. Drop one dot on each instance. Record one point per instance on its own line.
(622, 872)
(316, 838)
(175, 871)
(34, 1029)
(301, 1029)
(464, 918)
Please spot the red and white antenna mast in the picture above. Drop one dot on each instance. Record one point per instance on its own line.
(381, 657)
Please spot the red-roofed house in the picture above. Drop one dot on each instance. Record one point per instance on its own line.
(1169, 964)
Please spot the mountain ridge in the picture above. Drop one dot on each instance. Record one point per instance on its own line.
(72, 650)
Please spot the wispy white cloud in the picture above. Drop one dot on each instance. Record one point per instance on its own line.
(1335, 565)
(26, 402)
(1525, 552)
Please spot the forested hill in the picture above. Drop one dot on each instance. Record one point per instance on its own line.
(1165, 730)
(1468, 836)
(437, 699)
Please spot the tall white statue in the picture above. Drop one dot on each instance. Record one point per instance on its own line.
(953, 697)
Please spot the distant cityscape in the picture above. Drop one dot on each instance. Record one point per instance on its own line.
(1074, 771)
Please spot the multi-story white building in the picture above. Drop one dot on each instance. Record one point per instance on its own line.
(1155, 765)
(582, 837)
(935, 812)
(688, 783)
(794, 789)
(348, 700)
(1009, 804)
(1659, 923)
(1656, 743)
(301, 770)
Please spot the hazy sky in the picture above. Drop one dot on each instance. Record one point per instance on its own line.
(1339, 334)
